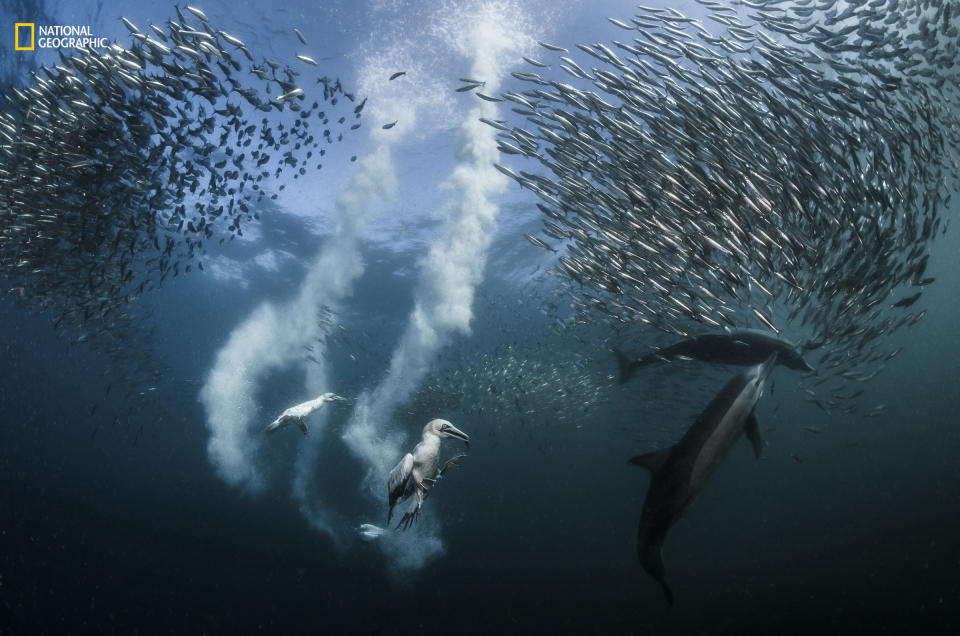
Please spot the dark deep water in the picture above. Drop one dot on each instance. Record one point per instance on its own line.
(107, 530)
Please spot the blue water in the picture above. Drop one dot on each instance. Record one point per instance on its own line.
(115, 518)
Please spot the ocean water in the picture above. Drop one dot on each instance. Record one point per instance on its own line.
(139, 495)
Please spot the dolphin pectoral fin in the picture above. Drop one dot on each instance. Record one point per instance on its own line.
(302, 425)
(651, 461)
(626, 365)
(752, 429)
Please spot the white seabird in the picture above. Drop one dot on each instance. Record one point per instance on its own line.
(418, 471)
(296, 414)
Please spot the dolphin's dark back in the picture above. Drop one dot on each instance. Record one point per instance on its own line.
(742, 347)
(764, 344)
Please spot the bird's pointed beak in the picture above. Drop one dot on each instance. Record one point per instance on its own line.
(453, 431)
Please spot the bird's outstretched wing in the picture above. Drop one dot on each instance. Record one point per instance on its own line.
(397, 481)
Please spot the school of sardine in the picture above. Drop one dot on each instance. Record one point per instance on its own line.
(788, 172)
(118, 166)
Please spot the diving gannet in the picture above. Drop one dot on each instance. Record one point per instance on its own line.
(417, 472)
(299, 412)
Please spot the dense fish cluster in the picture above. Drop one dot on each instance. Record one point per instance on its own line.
(118, 166)
(510, 382)
(523, 385)
(787, 173)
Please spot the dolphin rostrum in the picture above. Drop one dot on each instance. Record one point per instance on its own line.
(418, 471)
(296, 414)
(679, 472)
(737, 346)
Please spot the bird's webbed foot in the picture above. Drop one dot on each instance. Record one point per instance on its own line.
(453, 461)
(408, 518)
(413, 510)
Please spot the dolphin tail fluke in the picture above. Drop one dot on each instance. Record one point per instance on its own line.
(651, 558)
(667, 592)
(627, 366)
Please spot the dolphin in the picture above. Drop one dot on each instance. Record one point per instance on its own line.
(738, 346)
(418, 471)
(678, 473)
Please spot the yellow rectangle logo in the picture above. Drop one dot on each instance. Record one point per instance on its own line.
(16, 36)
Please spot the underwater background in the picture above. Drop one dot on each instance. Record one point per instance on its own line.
(138, 494)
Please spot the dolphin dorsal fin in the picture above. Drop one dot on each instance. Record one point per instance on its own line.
(651, 461)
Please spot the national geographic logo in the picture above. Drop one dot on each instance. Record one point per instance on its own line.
(20, 37)
(27, 36)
